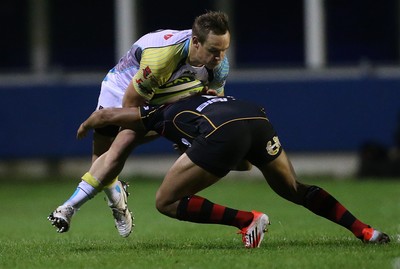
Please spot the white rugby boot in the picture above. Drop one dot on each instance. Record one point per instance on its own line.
(122, 215)
(61, 218)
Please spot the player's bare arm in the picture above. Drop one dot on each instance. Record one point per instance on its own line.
(132, 98)
(128, 118)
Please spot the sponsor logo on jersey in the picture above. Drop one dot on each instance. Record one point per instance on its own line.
(168, 36)
(139, 83)
(211, 101)
(146, 72)
(273, 146)
(178, 81)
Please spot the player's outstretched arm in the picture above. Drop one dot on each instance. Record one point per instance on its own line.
(124, 117)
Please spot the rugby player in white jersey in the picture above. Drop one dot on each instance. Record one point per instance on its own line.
(161, 67)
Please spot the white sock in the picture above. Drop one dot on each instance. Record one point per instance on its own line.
(113, 192)
(83, 193)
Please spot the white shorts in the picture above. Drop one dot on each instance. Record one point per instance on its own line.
(112, 91)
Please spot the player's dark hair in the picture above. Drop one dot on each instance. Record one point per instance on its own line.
(212, 21)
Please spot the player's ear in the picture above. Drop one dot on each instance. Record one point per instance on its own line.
(195, 41)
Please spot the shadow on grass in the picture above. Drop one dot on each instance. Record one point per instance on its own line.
(157, 246)
(160, 245)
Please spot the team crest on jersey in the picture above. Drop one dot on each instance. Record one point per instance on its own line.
(273, 146)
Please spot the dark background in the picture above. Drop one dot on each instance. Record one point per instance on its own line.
(339, 112)
(267, 33)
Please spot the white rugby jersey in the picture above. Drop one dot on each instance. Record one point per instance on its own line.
(158, 58)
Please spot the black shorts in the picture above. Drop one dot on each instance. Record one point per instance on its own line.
(109, 130)
(254, 140)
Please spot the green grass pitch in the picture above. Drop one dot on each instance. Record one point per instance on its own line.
(296, 238)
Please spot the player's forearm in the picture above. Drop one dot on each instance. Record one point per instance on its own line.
(98, 119)
(109, 116)
(94, 121)
(127, 117)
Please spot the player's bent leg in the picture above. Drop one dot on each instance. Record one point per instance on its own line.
(176, 198)
(182, 180)
(101, 143)
(117, 193)
(281, 177)
(107, 168)
(322, 203)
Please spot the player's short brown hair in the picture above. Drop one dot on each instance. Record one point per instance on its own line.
(212, 21)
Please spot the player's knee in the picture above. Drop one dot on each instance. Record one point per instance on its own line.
(165, 206)
(298, 192)
(161, 204)
(294, 192)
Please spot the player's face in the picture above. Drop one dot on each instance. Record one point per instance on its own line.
(213, 50)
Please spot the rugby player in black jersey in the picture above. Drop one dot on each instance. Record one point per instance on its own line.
(219, 133)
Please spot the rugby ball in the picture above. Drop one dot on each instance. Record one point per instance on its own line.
(177, 89)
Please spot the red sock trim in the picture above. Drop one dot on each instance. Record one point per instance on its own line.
(357, 228)
(217, 213)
